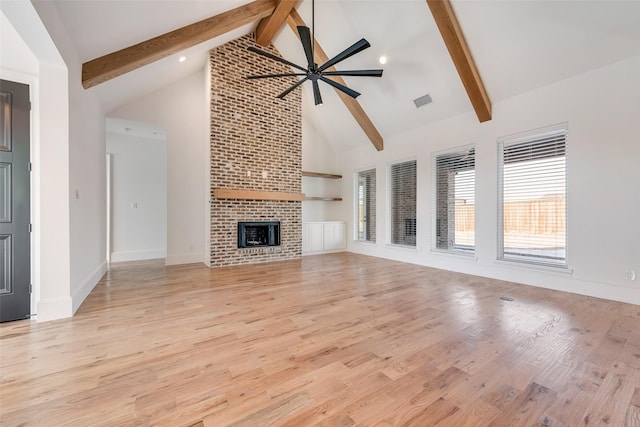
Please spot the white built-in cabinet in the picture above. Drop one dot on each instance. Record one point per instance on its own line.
(323, 236)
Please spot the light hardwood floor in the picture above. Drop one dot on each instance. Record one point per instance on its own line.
(332, 340)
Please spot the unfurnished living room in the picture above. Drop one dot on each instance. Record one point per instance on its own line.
(319, 213)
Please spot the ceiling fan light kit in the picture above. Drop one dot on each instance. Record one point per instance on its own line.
(313, 72)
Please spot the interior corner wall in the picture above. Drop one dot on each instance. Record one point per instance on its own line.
(179, 109)
(85, 193)
(207, 168)
(601, 108)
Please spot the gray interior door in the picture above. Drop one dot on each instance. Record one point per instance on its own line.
(15, 261)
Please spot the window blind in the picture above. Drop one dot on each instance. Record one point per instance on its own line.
(366, 206)
(532, 198)
(454, 200)
(403, 203)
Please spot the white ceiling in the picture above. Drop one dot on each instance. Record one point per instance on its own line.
(518, 45)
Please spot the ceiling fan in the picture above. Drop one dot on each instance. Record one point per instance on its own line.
(314, 72)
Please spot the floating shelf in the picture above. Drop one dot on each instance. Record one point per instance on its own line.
(325, 199)
(321, 175)
(229, 193)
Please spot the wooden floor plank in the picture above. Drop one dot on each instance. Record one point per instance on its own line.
(528, 408)
(338, 339)
(633, 417)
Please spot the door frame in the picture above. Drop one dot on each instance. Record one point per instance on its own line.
(49, 91)
(34, 179)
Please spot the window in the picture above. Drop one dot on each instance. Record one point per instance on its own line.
(366, 205)
(454, 200)
(402, 193)
(532, 197)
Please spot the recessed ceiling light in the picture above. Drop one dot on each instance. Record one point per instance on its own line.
(383, 60)
(182, 58)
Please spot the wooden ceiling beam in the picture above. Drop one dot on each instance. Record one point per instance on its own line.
(354, 107)
(115, 64)
(268, 27)
(447, 23)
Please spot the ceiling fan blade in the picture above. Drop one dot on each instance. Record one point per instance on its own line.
(305, 38)
(316, 92)
(366, 73)
(264, 76)
(286, 92)
(358, 46)
(275, 58)
(352, 93)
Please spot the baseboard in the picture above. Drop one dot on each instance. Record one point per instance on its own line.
(83, 291)
(137, 255)
(327, 251)
(594, 289)
(188, 258)
(54, 308)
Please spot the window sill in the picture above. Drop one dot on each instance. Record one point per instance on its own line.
(561, 269)
(365, 242)
(402, 247)
(457, 254)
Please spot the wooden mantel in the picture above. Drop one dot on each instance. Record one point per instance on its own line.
(229, 193)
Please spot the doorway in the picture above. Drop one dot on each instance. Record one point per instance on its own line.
(136, 190)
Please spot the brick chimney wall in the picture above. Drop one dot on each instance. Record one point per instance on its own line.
(256, 144)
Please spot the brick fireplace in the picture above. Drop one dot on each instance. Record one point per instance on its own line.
(256, 144)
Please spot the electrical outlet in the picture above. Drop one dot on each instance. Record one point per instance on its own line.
(630, 274)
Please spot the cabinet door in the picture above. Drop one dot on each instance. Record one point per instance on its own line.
(335, 235)
(312, 237)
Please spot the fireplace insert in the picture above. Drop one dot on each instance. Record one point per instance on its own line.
(258, 234)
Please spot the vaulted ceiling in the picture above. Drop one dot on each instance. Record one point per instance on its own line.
(516, 47)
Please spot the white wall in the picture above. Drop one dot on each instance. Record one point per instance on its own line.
(14, 52)
(179, 109)
(602, 110)
(206, 188)
(138, 197)
(86, 191)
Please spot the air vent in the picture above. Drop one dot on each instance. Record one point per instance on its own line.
(422, 101)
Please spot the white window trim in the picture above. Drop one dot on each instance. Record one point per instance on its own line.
(516, 264)
(515, 139)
